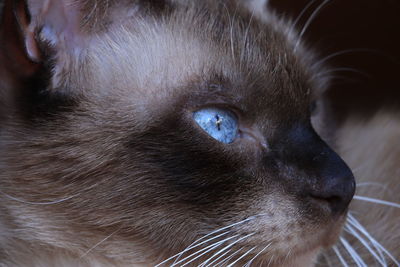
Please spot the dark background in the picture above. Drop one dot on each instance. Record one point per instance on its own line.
(372, 27)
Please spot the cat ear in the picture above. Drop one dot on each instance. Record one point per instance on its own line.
(28, 24)
(59, 24)
(19, 53)
(34, 33)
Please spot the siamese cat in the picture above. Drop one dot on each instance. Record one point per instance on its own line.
(162, 133)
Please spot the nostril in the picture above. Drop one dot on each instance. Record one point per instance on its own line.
(337, 192)
(333, 199)
(335, 203)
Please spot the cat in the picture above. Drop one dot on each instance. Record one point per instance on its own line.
(142, 133)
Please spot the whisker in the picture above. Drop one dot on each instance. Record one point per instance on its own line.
(241, 257)
(377, 201)
(356, 257)
(38, 203)
(327, 259)
(388, 254)
(202, 254)
(223, 254)
(201, 250)
(231, 30)
(308, 22)
(270, 260)
(383, 186)
(346, 51)
(353, 232)
(341, 70)
(205, 241)
(301, 15)
(221, 263)
(288, 254)
(98, 244)
(351, 220)
(229, 246)
(375, 243)
(258, 254)
(216, 231)
(339, 255)
(242, 52)
(191, 246)
(232, 43)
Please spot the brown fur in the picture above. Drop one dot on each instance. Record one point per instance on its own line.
(101, 163)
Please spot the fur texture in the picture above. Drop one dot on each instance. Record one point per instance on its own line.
(101, 163)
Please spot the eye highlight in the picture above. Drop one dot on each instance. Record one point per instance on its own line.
(220, 124)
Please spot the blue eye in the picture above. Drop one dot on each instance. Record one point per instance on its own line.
(220, 124)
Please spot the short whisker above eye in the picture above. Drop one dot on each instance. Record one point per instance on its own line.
(299, 17)
(309, 21)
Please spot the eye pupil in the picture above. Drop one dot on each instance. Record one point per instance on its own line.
(221, 124)
(218, 122)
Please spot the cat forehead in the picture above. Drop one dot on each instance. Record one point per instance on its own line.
(249, 62)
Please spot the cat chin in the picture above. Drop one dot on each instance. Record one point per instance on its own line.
(298, 245)
(307, 254)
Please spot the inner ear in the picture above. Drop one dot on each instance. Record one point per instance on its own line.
(19, 52)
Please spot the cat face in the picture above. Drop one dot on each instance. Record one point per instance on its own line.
(111, 127)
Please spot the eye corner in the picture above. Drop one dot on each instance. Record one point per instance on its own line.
(253, 135)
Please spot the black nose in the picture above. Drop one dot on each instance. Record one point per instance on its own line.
(335, 184)
(324, 175)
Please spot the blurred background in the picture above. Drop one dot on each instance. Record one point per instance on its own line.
(365, 34)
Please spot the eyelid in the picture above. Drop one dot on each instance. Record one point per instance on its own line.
(221, 105)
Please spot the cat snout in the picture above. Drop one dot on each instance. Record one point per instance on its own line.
(336, 187)
(333, 182)
(322, 175)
